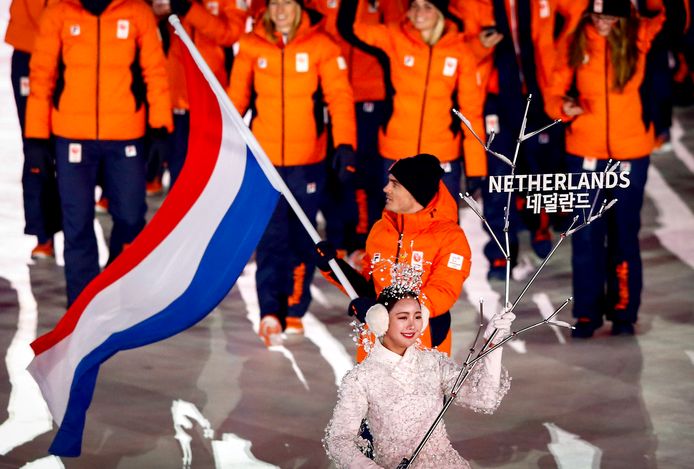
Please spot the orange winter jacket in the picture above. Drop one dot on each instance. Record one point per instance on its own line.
(93, 58)
(611, 125)
(212, 25)
(365, 72)
(425, 80)
(24, 23)
(430, 239)
(288, 118)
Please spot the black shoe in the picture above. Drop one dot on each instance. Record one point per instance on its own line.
(622, 328)
(584, 329)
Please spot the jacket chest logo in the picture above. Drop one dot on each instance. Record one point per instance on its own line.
(122, 29)
(449, 66)
(455, 261)
(332, 4)
(262, 62)
(409, 61)
(213, 7)
(301, 63)
(417, 259)
(75, 30)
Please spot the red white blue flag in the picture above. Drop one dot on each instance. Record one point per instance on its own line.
(177, 270)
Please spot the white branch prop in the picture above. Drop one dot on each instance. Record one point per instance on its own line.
(488, 348)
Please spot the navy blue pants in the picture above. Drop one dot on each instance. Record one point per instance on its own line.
(39, 186)
(543, 153)
(371, 199)
(123, 169)
(350, 212)
(339, 208)
(284, 255)
(179, 145)
(606, 257)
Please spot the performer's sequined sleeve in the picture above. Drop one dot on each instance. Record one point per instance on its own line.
(484, 388)
(342, 441)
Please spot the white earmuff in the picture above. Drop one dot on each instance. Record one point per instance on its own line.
(425, 317)
(377, 319)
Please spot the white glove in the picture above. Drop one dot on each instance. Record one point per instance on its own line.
(501, 321)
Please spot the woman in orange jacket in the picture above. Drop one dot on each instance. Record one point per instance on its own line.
(39, 186)
(604, 61)
(432, 70)
(94, 65)
(284, 69)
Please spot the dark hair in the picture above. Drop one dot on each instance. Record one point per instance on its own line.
(623, 48)
(394, 293)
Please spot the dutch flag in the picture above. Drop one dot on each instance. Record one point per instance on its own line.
(180, 267)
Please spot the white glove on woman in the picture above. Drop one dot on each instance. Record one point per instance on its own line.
(501, 321)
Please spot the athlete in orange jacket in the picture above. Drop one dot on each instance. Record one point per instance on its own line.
(430, 239)
(94, 65)
(287, 119)
(605, 60)
(610, 124)
(106, 46)
(429, 79)
(286, 64)
(39, 186)
(419, 228)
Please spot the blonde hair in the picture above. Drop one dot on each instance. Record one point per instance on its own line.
(623, 48)
(270, 29)
(436, 33)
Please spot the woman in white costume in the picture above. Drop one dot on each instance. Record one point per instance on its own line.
(399, 388)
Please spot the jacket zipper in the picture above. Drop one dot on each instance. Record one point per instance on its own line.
(424, 102)
(98, 64)
(402, 234)
(607, 103)
(282, 100)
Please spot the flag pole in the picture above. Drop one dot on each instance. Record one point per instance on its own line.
(259, 154)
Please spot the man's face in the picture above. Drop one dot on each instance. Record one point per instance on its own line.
(399, 199)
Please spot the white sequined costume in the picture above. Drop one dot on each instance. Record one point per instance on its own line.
(400, 396)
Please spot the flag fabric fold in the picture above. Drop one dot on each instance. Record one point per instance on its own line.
(175, 272)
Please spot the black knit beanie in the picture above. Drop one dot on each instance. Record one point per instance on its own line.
(441, 5)
(620, 8)
(420, 175)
